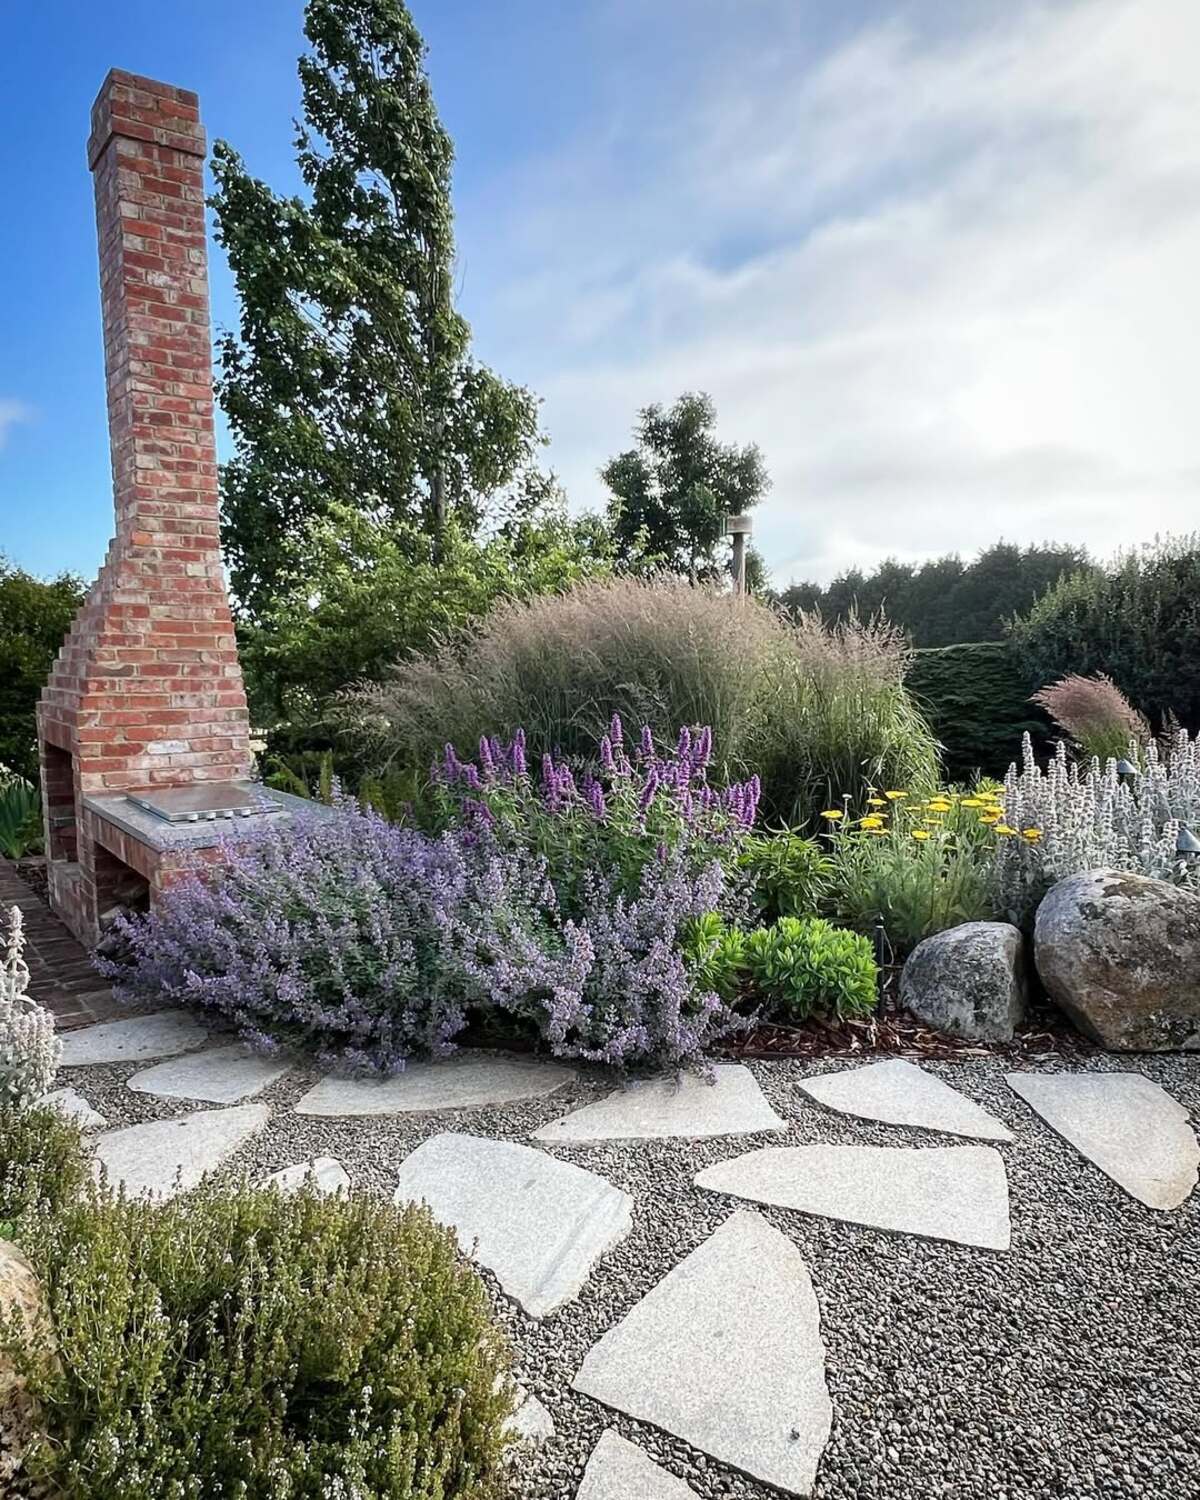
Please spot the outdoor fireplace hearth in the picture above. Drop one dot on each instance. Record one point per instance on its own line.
(143, 730)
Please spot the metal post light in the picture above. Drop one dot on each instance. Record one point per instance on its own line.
(1127, 768)
(1186, 842)
(739, 528)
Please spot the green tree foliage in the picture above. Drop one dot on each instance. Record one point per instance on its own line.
(976, 699)
(35, 614)
(1137, 621)
(350, 382)
(366, 597)
(671, 493)
(945, 601)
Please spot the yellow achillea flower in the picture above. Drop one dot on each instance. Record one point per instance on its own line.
(920, 833)
(972, 801)
(878, 832)
(1005, 830)
(895, 796)
(939, 805)
(876, 802)
(933, 822)
(871, 822)
(1032, 834)
(833, 814)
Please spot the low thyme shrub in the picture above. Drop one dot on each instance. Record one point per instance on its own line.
(42, 1162)
(246, 1343)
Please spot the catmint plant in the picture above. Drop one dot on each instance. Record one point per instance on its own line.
(29, 1049)
(1066, 818)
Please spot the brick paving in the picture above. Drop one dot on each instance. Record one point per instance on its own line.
(61, 976)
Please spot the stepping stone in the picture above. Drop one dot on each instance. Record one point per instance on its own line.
(539, 1224)
(619, 1470)
(659, 1108)
(218, 1075)
(956, 1193)
(465, 1082)
(74, 1106)
(137, 1039)
(531, 1422)
(325, 1173)
(726, 1354)
(165, 1157)
(1124, 1123)
(899, 1093)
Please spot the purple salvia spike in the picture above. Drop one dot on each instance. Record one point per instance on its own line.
(616, 730)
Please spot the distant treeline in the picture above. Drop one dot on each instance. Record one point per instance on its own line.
(947, 601)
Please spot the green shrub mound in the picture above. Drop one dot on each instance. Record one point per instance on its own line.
(242, 1343)
(977, 701)
(42, 1163)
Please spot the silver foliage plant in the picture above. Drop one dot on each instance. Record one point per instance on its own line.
(1087, 817)
(29, 1049)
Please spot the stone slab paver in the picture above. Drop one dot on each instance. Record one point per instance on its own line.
(164, 1157)
(135, 1039)
(72, 1104)
(539, 1224)
(897, 1092)
(217, 1075)
(619, 1470)
(956, 1193)
(1124, 1123)
(726, 1353)
(325, 1173)
(465, 1082)
(659, 1108)
(531, 1422)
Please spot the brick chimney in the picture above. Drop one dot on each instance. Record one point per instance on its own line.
(146, 691)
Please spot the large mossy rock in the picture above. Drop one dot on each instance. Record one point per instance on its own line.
(968, 981)
(1120, 953)
(21, 1300)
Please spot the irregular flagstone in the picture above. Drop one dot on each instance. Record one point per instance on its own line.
(531, 1422)
(619, 1470)
(899, 1093)
(218, 1075)
(957, 1193)
(1124, 1123)
(726, 1353)
(165, 1157)
(72, 1104)
(464, 1082)
(657, 1108)
(136, 1039)
(325, 1173)
(538, 1223)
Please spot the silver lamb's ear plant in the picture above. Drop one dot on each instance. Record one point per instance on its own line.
(29, 1049)
(1067, 821)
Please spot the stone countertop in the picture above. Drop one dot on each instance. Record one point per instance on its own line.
(158, 833)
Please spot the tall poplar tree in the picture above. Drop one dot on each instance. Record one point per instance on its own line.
(350, 381)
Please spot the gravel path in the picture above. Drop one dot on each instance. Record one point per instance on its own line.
(1069, 1366)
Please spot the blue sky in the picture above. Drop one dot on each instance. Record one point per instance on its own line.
(938, 260)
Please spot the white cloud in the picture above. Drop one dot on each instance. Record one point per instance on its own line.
(12, 412)
(946, 281)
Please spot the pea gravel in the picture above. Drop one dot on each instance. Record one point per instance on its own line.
(1068, 1366)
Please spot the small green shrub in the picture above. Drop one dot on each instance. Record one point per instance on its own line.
(246, 1343)
(42, 1161)
(804, 966)
(716, 955)
(20, 817)
(792, 874)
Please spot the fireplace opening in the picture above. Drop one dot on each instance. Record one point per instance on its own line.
(62, 811)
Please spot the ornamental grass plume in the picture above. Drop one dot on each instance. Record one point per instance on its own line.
(1095, 713)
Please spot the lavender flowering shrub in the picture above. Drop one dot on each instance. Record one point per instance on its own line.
(373, 943)
(613, 986)
(636, 805)
(325, 932)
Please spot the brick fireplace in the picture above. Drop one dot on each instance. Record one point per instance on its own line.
(146, 694)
